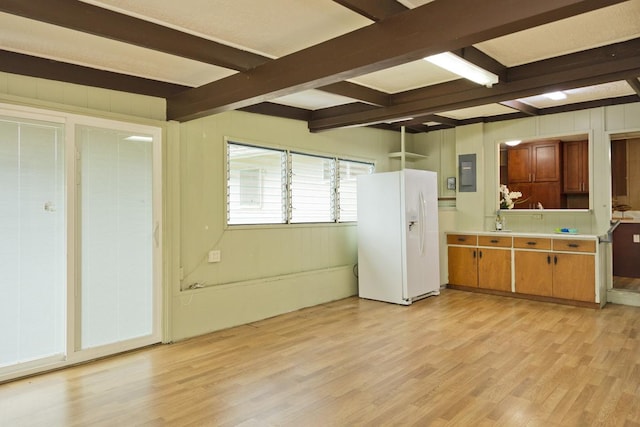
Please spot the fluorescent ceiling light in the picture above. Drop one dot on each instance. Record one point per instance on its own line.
(139, 138)
(463, 68)
(556, 96)
(403, 119)
(513, 143)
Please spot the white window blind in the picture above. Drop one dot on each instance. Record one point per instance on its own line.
(32, 241)
(347, 189)
(271, 186)
(312, 188)
(256, 185)
(117, 235)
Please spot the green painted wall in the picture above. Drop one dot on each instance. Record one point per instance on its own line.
(264, 270)
(268, 270)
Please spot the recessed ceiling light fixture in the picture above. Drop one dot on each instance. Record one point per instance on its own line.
(556, 96)
(463, 68)
(513, 143)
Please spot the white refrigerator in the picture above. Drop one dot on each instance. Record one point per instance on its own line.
(398, 248)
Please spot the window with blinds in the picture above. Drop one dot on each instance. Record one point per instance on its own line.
(256, 185)
(347, 190)
(272, 186)
(312, 187)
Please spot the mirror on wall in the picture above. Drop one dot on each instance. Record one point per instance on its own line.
(551, 173)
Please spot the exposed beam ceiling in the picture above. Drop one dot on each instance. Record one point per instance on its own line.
(403, 37)
(95, 20)
(397, 36)
(522, 107)
(635, 84)
(594, 66)
(17, 63)
(377, 10)
(102, 22)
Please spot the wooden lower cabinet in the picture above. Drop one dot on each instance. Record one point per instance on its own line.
(463, 266)
(494, 269)
(558, 275)
(480, 267)
(533, 273)
(574, 277)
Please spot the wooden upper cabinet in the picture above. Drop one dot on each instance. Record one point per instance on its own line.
(519, 164)
(576, 167)
(534, 169)
(545, 161)
(534, 162)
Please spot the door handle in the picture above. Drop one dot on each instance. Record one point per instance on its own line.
(156, 235)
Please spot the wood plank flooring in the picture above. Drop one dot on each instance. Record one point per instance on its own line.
(628, 283)
(458, 359)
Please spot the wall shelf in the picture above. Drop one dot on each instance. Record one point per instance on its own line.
(412, 157)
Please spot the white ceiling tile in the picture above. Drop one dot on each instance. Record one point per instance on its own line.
(312, 100)
(584, 94)
(49, 41)
(598, 28)
(273, 28)
(404, 77)
(479, 111)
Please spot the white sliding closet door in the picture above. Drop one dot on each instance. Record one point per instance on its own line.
(116, 236)
(32, 242)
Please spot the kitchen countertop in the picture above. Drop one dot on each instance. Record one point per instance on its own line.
(578, 236)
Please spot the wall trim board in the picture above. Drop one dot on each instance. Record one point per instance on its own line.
(205, 310)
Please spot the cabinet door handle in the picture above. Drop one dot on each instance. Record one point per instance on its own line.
(548, 259)
(494, 240)
(573, 245)
(474, 254)
(555, 259)
(480, 254)
(532, 243)
(462, 239)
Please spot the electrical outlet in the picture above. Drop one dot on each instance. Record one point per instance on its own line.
(636, 238)
(214, 256)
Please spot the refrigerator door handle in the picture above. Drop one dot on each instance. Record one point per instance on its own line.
(421, 221)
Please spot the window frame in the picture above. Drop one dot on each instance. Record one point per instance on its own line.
(286, 194)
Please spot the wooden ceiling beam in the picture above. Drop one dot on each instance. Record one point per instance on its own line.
(102, 22)
(375, 10)
(594, 66)
(635, 84)
(356, 91)
(407, 36)
(26, 65)
(446, 121)
(527, 109)
(80, 16)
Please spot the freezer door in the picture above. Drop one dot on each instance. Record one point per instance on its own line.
(421, 263)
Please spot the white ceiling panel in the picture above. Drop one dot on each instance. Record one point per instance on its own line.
(598, 28)
(313, 100)
(404, 77)
(49, 41)
(268, 27)
(583, 94)
(479, 111)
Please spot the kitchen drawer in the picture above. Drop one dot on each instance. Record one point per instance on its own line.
(495, 241)
(574, 245)
(539, 243)
(462, 239)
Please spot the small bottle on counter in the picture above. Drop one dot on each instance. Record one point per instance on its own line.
(499, 222)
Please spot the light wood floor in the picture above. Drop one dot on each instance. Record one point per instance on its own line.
(458, 359)
(628, 283)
